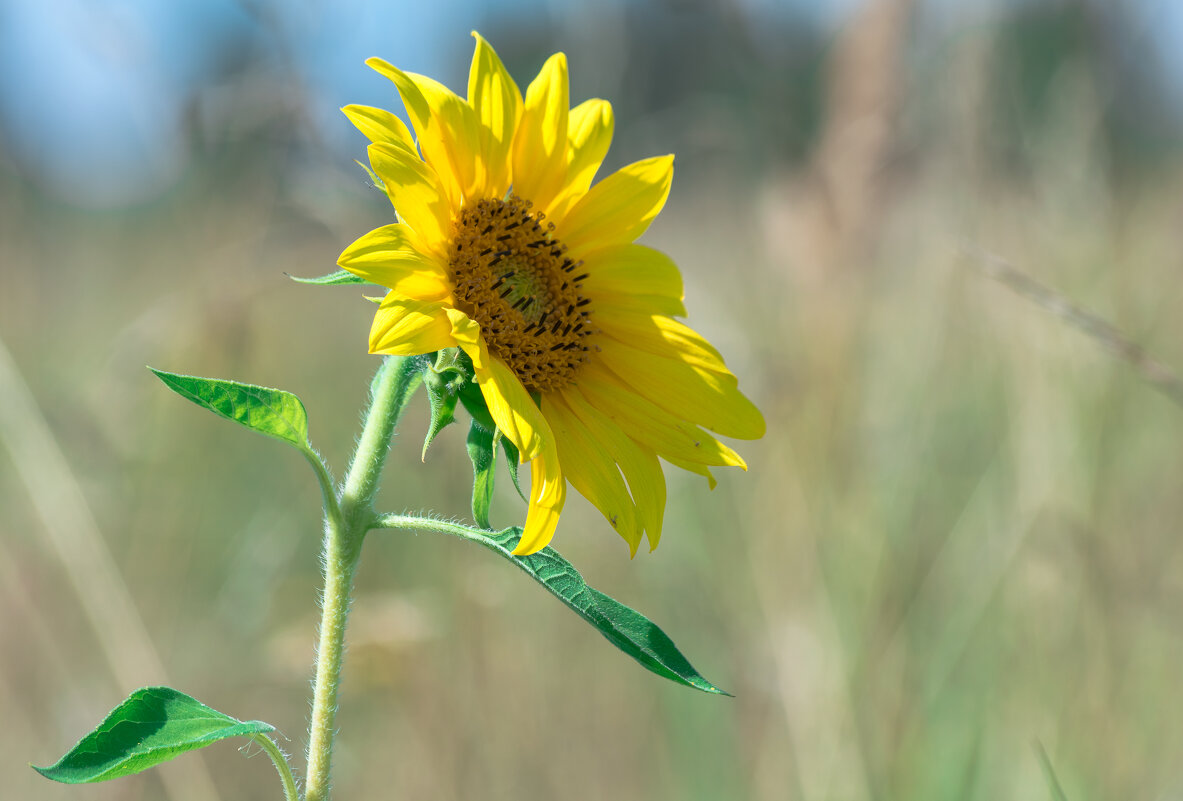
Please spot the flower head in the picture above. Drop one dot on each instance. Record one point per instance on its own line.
(505, 249)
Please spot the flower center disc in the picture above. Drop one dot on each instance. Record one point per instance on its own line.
(513, 277)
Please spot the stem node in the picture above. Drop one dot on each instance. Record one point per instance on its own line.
(346, 524)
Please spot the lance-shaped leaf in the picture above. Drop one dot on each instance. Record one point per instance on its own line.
(152, 726)
(482, 450)
(624, 627)
(272, 412)
(332, 279)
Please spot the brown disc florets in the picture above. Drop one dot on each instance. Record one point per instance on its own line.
(513, 277)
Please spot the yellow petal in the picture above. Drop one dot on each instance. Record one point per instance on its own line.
(633, 277)
(446, 127)
(548, 492)
(619, 208)
(407, 327)
(649, 424)
(592, 471)
(379, 125)
(661, 336)
(387, 256)
(589, 133)
(646, 482)
(511, 407)
(497, 102)
(540, 146)
(704, 397)
(693, 467)
(414, 189)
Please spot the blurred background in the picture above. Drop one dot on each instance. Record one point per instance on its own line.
(957, 546)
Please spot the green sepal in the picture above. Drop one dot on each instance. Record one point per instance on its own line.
(482, 450)
(444, 380)
(378, 182)
(512, 459)
(624, 627)
(474, 404)
(339, 278)
(443, 414)
(269, 411)
(152, 726)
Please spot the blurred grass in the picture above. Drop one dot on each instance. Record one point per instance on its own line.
(958, 538)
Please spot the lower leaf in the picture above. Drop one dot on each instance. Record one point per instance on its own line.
(152, 726)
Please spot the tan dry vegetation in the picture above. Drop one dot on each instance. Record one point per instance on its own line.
(958, 539)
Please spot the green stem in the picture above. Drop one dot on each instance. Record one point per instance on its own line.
(325, 479)
(281, 766)
(346, 524)
(415, 523)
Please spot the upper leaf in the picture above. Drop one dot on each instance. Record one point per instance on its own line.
(272, 412)
(332, 279)
(152, 726)
(624, 627)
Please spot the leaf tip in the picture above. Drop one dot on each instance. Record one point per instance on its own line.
(163, 375)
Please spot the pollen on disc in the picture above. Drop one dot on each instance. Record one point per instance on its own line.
(514, 278)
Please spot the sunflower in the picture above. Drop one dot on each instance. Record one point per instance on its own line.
(506, 250)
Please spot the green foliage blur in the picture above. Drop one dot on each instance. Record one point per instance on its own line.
(957, 545)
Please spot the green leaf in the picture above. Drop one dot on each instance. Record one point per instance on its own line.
(482, 450)
(626, 628)
(333, 279)
(272, 412)
(512, 459)
(474, 404)
(152, 726)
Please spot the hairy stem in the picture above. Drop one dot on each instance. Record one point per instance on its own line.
(417, 523)
(346, 524)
